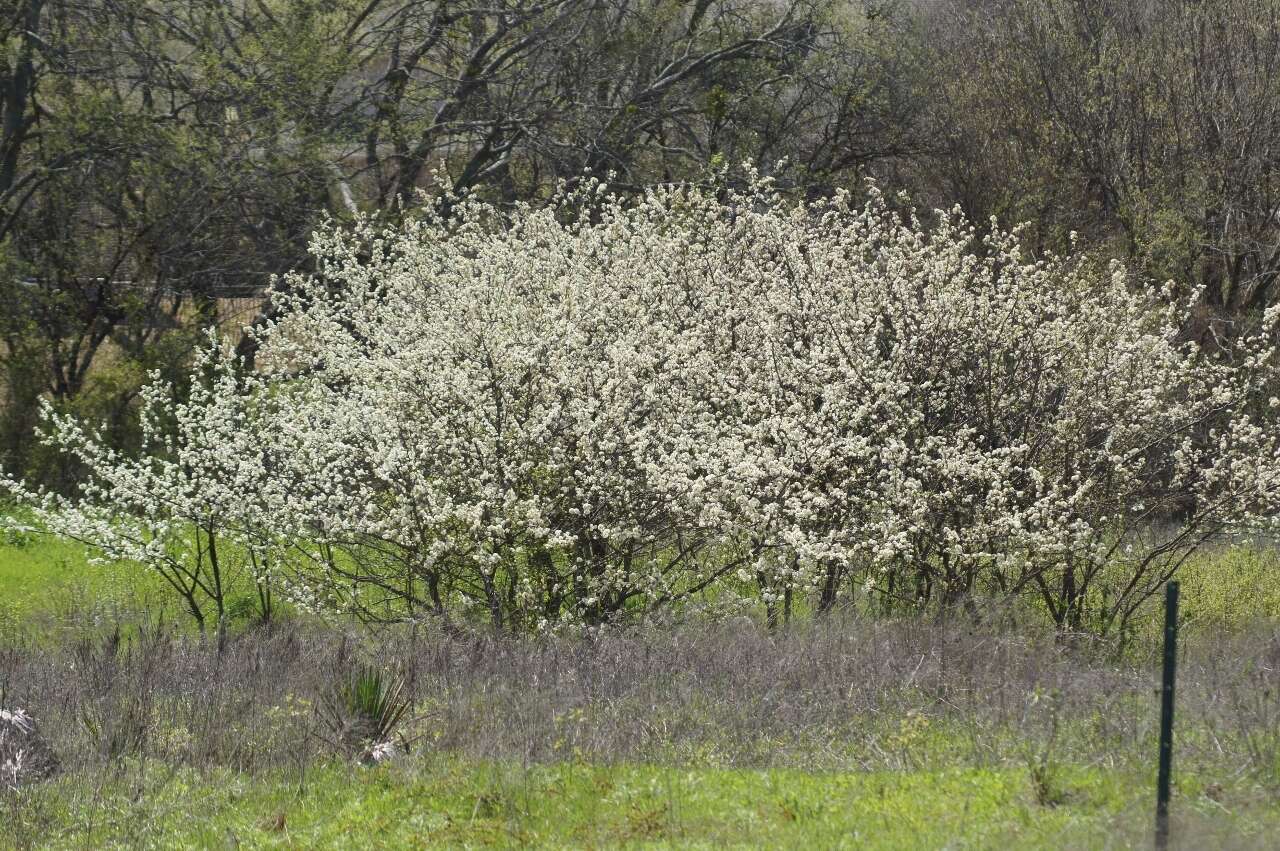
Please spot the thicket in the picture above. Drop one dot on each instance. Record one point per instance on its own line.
(606, 407)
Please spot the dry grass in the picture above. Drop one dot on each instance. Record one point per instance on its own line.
(843, 693)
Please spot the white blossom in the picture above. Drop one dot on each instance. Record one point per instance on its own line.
(563, 413)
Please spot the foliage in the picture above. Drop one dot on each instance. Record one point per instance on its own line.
(157, 156)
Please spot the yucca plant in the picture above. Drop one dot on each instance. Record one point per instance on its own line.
(364, 709)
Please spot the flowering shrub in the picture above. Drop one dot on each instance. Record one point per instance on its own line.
(567, 413)
(182, 508)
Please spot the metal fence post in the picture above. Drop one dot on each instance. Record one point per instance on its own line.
(1166, 714)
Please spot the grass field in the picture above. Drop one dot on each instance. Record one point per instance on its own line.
(42, 576)
(447, 803)
(51, 583)
(854, 734)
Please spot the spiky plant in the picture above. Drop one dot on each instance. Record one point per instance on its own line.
(364, 709)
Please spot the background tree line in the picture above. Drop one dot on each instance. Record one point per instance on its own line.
(158, 157)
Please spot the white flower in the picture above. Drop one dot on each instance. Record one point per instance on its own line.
(554, 417)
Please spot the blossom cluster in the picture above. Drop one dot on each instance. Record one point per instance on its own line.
(598, 406)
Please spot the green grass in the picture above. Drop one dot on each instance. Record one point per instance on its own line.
(42, 574)
(1225, 588)
(441, 802)
(42, 578)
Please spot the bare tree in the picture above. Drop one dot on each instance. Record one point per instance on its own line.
(1154, 126)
